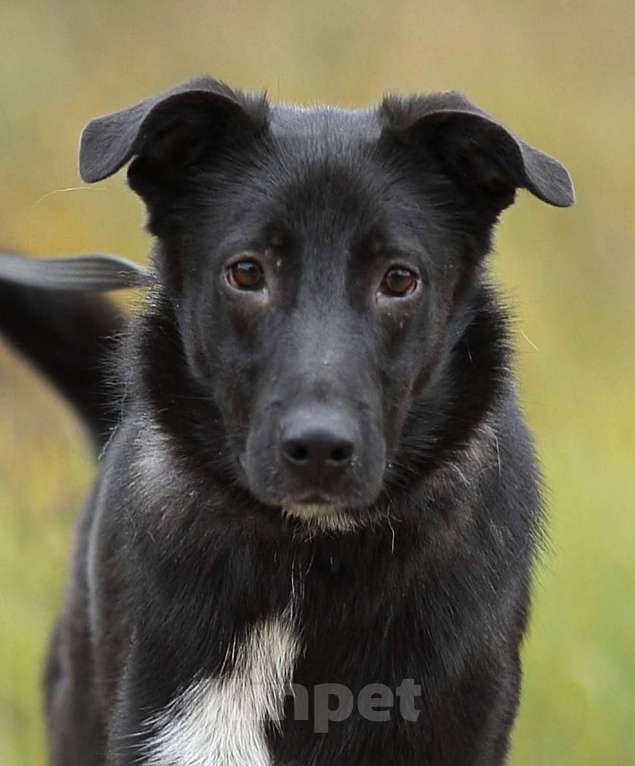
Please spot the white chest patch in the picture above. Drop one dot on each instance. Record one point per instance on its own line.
(221, 722)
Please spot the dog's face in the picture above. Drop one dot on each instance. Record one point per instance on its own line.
(314, 303)
(321, 263)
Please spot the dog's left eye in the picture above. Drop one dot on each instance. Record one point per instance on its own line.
(246, 274)
(398, 282)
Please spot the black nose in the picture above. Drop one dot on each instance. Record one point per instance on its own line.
(318, 443)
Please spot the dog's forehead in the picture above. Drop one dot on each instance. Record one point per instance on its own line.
(318, 172)
(328, 126)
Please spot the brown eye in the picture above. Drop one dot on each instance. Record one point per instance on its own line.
(398, 282)
(246, 274)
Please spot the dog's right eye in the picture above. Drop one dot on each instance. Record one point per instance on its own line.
(398, 282)
(246, 274)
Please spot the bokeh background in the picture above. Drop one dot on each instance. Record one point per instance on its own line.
(562, 75)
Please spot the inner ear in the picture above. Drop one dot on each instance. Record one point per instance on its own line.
(172, 140)
(176, 144)
(479, 160)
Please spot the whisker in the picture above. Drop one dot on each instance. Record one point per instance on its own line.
(66, 189)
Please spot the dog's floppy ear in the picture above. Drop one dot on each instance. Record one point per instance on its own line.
(475, 150)
(167, 131)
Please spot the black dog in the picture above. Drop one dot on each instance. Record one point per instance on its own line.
(312, 536)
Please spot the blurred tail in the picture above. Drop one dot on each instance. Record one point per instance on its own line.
(51, 312)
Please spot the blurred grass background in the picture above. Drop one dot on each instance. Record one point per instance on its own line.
(561, 74)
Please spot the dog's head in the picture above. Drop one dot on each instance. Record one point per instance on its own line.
(322, 265)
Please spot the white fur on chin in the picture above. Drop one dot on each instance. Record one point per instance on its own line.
(327, 518)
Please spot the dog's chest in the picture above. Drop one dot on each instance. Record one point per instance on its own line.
(221, 722)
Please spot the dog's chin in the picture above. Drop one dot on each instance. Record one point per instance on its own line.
(322, 511)
(331, 508)
(318, 510)
(323, 515)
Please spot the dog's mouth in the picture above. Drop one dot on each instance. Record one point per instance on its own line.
(317, 507)
(310, 502)
(322, 515)
(316, 498)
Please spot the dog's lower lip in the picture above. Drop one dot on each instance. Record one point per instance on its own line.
(314, 499)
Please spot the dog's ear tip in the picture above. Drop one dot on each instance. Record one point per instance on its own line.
(101, 152)
(90, 174)
(89, 171)
(560, 197)
(567, 189)
(566, 196)
(88, 164)
(547, 178)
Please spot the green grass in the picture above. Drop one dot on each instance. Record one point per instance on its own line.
(563, 76)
